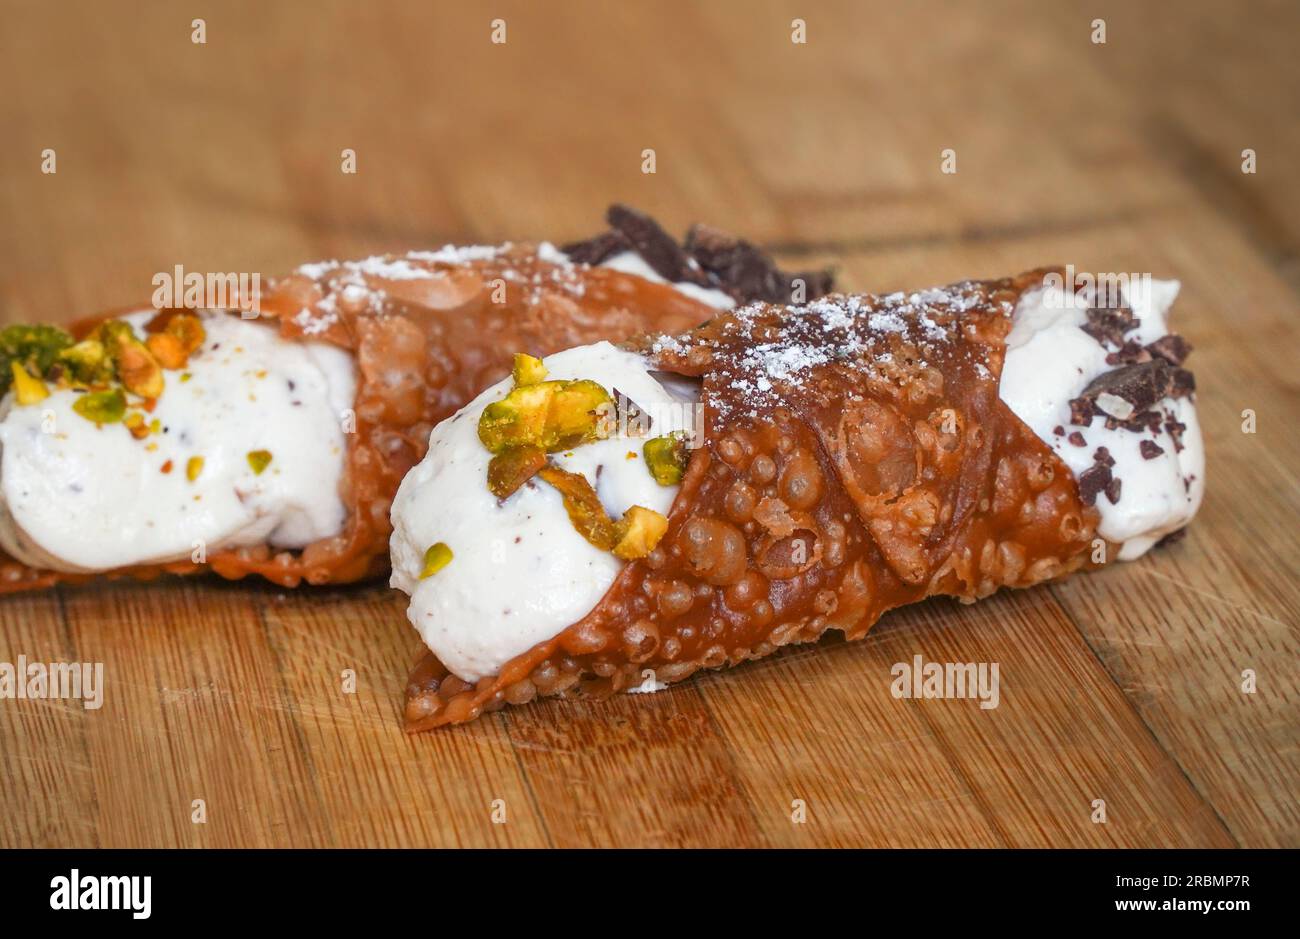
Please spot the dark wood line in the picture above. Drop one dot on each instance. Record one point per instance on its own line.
(1062, 605)
(291, 714)
(970, 234)
(503, 717)
(71, 651)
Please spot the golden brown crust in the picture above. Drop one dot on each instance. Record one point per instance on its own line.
(429, 331)
(856, 458)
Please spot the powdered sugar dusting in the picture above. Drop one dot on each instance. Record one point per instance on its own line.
(763, 352)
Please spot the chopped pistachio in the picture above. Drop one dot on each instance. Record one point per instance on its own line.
(137, 369)
(27, 390)
(186, 377)
(435, 559)
(135, 423)
(511, 468)
(188, 330)
(638, 532)
(259, 460)
(528, 369)
(102, 407)
(167, 349)
(583, 506)
(665, 458)
(634, 536)
(34, 347)
(193, 466)
(553, 415)
(87, 362)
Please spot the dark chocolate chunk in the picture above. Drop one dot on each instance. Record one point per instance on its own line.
(1058, 430)
(1142, 422)
(1112, 489)
(1150, 449)
(746, 273)
(1130, 353)
(1103, 456)
(710, 258)
(657, 248)
(1175, 429)
(1109, 325)
(1173, 348)
(1183, 383)
(1076, 438)
(598, 248)
(1092, 481)
(1080, 411)
(1141, 385)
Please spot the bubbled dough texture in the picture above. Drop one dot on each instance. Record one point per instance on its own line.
(423, 346)
(520, 572)
(900, 482)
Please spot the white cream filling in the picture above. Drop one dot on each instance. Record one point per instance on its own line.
(629, 262)
(79, 497)
(1050, 360)
(520, 574)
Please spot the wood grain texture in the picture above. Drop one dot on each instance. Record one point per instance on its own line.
(1122, 685)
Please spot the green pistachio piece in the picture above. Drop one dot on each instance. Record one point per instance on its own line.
(102, 407)
(87, 362)
(435, 559)
(552, 415)
(35, 348)
(511, 468)
(665, 458)
(528, 369)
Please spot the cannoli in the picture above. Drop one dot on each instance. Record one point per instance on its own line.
(269, 438)
(582, 528)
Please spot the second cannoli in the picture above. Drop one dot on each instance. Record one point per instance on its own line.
(617, 518)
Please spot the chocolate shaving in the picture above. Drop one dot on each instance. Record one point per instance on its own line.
(747, 273)
(1173, 348)
(1183, 383)
(1098, 478)
(1080, 411)
(1108, 326)
(709, 258)
(1175, 430)
(1142, 422)
(657, 248)
(1131, 352)
(598, 248)
(1150, 449)
(1095, 479)
(1141, 385)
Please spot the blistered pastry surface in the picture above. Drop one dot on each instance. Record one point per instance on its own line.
(429, 330)
(856, 458)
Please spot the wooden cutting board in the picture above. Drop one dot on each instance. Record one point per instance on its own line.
(1121, 687)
